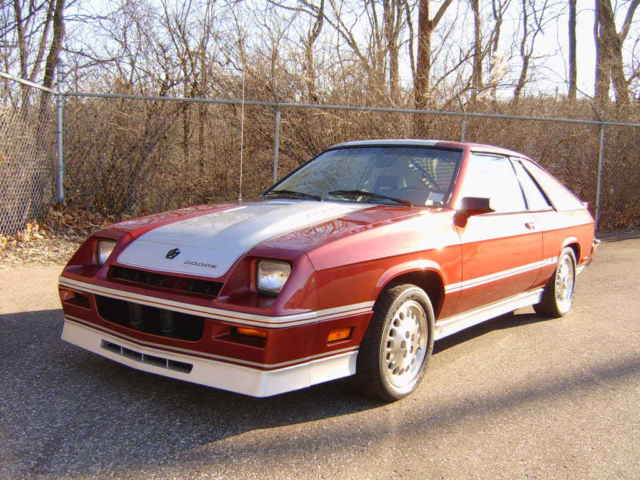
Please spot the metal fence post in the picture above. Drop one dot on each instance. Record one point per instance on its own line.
(463, 128)
(599, 179)
(60, 134)
(276, 145)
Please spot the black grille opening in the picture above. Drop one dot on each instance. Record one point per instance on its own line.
(132, 354)
(160, 362)
(155, 321)
(157, 361)
(195, 286)
(179, 366)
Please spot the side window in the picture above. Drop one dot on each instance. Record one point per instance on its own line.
(534, 196)
(560, 196)
(493, 177)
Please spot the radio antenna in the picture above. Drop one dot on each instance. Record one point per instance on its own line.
(241, 135)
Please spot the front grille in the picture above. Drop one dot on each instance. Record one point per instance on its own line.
(155, 321)
(161, 281)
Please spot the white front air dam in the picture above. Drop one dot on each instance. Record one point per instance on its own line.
(212, 373)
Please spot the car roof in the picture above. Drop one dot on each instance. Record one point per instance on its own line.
(413, 142)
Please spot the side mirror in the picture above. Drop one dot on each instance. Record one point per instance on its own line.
(475, 205)
(471, 206)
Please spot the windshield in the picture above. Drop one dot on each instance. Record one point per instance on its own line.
(391, 174)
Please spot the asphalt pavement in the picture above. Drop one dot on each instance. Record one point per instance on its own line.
(520, 397)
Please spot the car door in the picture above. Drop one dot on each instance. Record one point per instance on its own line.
(544, 218)
(501, 250)
(565, 220)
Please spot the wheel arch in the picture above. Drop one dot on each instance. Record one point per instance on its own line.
(574, 244)
(425, 274)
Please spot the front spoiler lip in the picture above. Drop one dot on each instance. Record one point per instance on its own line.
(214, 373)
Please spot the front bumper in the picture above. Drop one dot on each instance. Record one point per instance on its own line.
(295, 354)
(206, 371)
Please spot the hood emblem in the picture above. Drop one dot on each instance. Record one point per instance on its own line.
(173, 253)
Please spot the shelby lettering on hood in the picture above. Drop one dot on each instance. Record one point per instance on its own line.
(199, 264)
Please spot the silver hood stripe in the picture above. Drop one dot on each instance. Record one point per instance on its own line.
(210, 244)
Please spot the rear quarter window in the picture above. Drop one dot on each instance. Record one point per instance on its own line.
(561, 197)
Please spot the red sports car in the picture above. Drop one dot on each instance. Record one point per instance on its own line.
(352, 265)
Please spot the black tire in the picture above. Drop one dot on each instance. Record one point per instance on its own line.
(396, 348)
(557, 297)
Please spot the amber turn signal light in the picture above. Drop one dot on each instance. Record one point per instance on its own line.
(338, 334)
(74, 298)
(66, 295)
(251, 332)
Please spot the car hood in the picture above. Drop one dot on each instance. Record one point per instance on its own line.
(208, 244)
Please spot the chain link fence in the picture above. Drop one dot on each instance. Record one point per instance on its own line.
(132, 155)
(166, 152)
(27, 153)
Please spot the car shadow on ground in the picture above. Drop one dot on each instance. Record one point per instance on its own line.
(510, 320)
(69, 412)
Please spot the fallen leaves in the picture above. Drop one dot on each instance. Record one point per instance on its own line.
(51, 240)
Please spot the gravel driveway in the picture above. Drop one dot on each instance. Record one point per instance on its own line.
(518, 397)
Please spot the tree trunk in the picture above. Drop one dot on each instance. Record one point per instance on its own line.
(309, 60)
(476, 76)
(423, 68)
(56, 44)
(612, 48)
(392, 26)
(421, 82)
(573, 63)
(602, 78)
(54, 52)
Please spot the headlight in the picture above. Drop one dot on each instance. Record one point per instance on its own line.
(272, 275)
(104, 249)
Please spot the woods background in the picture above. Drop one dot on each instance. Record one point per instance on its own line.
(127, 156)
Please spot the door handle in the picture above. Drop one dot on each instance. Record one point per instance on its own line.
(530, 225)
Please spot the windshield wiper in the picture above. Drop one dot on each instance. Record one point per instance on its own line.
(359, 193)
(292, 194)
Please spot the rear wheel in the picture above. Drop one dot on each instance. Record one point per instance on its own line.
(557, 297)
(396, 348)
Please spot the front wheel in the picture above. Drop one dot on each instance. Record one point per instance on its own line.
(396, 348)
(557, 297)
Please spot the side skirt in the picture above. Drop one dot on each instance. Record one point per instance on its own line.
(454, 324)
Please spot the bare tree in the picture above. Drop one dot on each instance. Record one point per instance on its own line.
(33, 33)
(497, 64)
(393, 26)
(609, 58)
(309, 47)
(476, 76)
(191, 31)
(573, 62)
(535, 15)
(426, 26)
